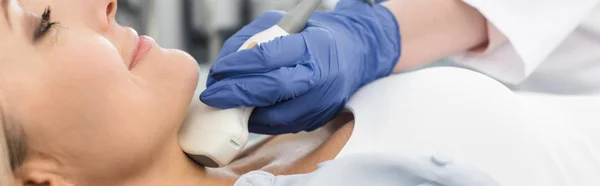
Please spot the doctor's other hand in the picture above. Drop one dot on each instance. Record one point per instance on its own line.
(301, 81)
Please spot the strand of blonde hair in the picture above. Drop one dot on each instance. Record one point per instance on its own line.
(6, 174)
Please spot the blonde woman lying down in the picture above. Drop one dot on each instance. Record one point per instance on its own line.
(81, 106)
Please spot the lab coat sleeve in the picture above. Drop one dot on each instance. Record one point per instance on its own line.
(522, 34)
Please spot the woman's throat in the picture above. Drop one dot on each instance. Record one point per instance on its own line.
(295, 153)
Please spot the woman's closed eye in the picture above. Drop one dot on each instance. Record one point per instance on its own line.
(45, 24)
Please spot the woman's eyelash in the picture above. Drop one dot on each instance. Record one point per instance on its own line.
(44, 26)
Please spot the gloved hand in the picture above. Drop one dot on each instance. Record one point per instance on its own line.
(301, 81)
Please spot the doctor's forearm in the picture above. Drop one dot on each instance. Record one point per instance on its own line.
(433, 29)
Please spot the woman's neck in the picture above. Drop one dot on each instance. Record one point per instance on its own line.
(296, 153)
(175, 168)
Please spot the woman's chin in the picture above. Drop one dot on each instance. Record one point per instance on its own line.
(183, 56)
(183, 64)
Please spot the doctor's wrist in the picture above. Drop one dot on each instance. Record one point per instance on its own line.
(377, 30)
(432, 30)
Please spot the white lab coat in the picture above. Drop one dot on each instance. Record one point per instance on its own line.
(540, 45)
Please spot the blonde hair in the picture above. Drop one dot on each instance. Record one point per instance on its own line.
(6, 171)
(13, 149)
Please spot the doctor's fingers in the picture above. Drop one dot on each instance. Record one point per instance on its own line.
(263, 22)
(260, 89)
(304, 113)
(286, 51)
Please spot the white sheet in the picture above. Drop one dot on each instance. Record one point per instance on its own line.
(518, 138)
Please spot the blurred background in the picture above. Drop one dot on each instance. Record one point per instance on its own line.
(197, 26)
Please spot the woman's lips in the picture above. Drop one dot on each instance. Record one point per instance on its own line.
(144, 45)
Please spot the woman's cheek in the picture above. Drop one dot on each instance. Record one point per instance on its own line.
(91, 57)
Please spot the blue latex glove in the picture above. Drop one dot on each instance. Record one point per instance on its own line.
(301, 81)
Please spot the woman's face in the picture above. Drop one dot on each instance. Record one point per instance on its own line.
(72, 91)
